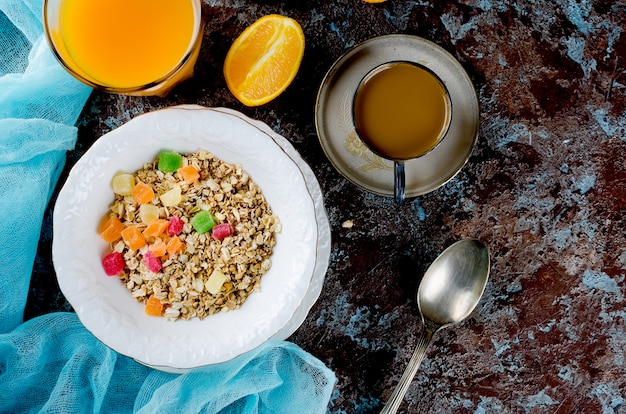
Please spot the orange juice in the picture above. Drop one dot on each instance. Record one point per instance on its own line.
(401, 110)
(124, 43)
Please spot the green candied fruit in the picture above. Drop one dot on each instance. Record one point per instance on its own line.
(170, 161)
(203, 222)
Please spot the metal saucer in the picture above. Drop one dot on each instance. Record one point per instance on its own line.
(333, 117)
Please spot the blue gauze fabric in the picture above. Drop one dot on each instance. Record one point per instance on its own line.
(52, 364)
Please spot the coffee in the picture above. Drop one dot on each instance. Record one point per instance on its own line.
(401, 110)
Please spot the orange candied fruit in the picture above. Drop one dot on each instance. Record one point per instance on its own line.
(142, 193)
(133, 238)
(159, 248)
(111, 229)
(175, 245)
(154, 307)
(156, 228)
(189, 174)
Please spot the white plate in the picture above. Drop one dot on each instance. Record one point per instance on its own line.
(106, 308)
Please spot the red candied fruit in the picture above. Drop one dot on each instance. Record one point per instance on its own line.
(113, 263)
(152, 262)
(175, 226)
(222, 230)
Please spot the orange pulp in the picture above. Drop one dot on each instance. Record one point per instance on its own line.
(264, 59)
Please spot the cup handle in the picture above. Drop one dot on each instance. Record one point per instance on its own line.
(398, 181)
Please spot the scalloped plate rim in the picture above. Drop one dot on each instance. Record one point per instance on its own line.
(202, 359)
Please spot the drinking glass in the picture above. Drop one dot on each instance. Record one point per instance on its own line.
(136, 47)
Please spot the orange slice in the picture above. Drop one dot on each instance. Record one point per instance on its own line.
(264, 59)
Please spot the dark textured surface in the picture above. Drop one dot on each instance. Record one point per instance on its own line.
(545, 189)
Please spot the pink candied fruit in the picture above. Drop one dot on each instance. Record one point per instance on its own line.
(152, 262)
(113, 263)
(175, 226)
(222, 230)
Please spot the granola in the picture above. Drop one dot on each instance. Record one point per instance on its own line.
(208, 275)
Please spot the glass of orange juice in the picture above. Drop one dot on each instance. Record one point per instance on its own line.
(401, 110)
(130, 47)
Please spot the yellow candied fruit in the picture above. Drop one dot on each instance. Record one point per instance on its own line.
(123, 184)
(148, 213)
(171, 197)
(215, 282)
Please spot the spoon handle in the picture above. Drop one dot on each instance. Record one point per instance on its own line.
(416, 359)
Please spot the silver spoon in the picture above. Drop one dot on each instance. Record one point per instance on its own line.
(448, 293)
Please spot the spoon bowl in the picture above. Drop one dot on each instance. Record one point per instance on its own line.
(454, 283)
(448, 293)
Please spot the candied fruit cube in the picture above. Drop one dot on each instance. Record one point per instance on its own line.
(174, 245)
(113, 263)
(222, 230)
(170, 161)
(203, 222)
(123, 184)
(148, 213)
(142, 193)
(154, 307)
(171, 197)
(159, 248)
(156, 228)
(176, 226)
(152, 262)
(111, 229)
(133, 238)
(215, 282)
(189, 174)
